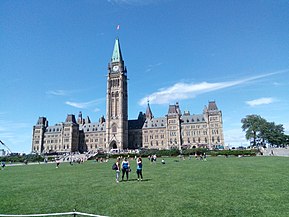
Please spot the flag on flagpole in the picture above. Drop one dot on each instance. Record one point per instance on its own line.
(117, 28)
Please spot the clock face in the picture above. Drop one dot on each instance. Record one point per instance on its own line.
(115, 68)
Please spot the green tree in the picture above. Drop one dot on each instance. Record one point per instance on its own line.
(261, 132)
(274, 134)
(252, 125)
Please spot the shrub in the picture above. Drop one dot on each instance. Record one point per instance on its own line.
(22, 158)
(194, 151)
(159, 153)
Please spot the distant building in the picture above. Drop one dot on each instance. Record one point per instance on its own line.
(115, 131)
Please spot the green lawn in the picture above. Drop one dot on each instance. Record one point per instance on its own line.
(250, 186)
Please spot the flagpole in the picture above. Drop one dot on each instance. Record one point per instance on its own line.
(117, 30)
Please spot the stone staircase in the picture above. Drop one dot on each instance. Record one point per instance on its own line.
(275, 152)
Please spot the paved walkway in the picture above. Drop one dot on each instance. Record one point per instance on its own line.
(284, 152)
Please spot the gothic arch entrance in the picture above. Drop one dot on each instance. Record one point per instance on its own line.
(113, 145)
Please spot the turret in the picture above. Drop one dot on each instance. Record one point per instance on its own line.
(149, 114)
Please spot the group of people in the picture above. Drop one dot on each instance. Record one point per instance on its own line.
(153, 158)
(124, 166)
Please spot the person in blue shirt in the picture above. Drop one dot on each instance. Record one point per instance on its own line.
(125, 168)
(139, 169)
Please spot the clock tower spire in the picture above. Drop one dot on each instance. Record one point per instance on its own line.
(116, 101)
(116, 54)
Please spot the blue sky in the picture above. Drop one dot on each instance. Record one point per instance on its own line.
(54, 56)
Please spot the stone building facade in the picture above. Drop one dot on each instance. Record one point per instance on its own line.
(115, 131)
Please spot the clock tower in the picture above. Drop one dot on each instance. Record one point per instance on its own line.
(116, 102)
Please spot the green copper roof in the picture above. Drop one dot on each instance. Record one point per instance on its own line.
(116, 55)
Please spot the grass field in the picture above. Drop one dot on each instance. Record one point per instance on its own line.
(250, 186)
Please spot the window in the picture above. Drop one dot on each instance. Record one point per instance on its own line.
(173, 133)
(113, 129)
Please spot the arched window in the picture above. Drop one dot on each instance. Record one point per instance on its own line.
(114, 129)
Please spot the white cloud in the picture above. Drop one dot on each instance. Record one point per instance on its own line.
(61, 92)
(81, 104)
(57, 92)
(182, 90)
(96, 110)
(152, 66)
(277, 84)
(88, 104)
(260, 101)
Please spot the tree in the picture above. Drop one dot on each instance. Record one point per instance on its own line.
(261, 132)
(253, 124)
(274, 134)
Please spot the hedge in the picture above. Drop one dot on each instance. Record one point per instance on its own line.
(22, 158)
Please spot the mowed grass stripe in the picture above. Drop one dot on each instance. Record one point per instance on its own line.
(253, 186)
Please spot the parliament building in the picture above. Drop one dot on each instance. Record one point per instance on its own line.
(115, 131)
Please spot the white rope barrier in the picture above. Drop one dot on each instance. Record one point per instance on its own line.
(48, 214)
(87, 214)
(53, 214)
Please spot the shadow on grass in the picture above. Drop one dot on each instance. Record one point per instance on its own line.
(135, 180)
